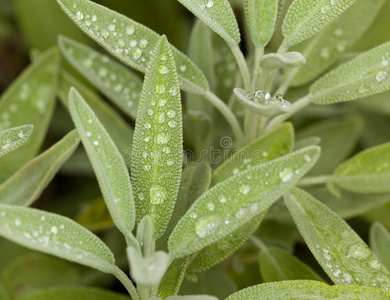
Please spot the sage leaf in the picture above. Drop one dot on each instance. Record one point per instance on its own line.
(107, 162)
(236, 201)
(287, 60)
(129, 41)
(29, 100)
(158, 141)
(145, 235)
(305, 18)
(218, 15)
(365, 75)
(173, 277)
(379, 242)
(27, 184)
(306, 142)
(306, 289)
(75, 293)
(328, 45)
(261, 18)
(13, 138)
(271, 145)
(53, 234)
(119, 84)
(339, 250)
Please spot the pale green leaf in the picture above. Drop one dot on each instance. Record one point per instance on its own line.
(157, 148)
(237, 200)
(173, 277)
(27, 184)
(307, 17)
(308, 290)
(306, 142)
(145, 235)
(380, 243)
(365, 75)
(53, 234)
(129, 41)
(323, 49)
(271, 145)
(13, 138)
(277, 265)
(261, 17)
(218, 15)
(366, 172)
(29, 100)
(95, 215)
(340, 251)
(286, 60)
(107, 162)
(119, 84)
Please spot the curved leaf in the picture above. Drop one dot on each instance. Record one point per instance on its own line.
(13, 138)
(173, 277)
(380, 242)
(287, 60)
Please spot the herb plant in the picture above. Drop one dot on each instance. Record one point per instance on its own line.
(212, 173)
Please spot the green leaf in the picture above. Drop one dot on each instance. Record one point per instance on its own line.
(95, 216)
(277, 265)
(197, 130)
(27, 184)
(308, 290)
(277, 61)
(75, 294)
(307, 17)
(158, 138)
(365, 75)
(218, 15)
(366, 172)
(192, 297)
(273, 144)
(339, 250)
(261, 17)
(380, 242)
(29, 100)
(53, 234)
(236, 201)
(306, 142)
(107, 162)
(119, 84)
(13, 138)
(323, 49)
(171, 282)
(145, 235)
(129, 41)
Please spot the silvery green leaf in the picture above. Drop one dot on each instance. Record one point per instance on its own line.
(119, 84)
(218, 15)
(173, 277)
(366, 172)
(271, 145)
(53, 234)
(380, 242)
(365, 75)
(147, 271)
(129, 41)
(306, 289)
(307, 17)
(29, 100)
(323, 49)
(262, 103)
(145, 235)
(306, 142)
(261, 17)
(107, 162)
(13, 138)
(192, 297)
(158, 141)
(234, 202)
(27, 184)
(340, 251)
(277, 61)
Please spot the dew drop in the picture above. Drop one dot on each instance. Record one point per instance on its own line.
(363, 89)
(133, 43)
(324, 53)
(162, 138)
(141, 196)
(158, 194)
(161, 118)
(150, 112)
(147, 125)
(102, 72)
(375, 264)
(385, 63)
(170, 162)
(359, 251)
(245, 189)
(210, 206)
(307, 158)
(111, 27)
(54, 230)
(172, 124)
(143, 43)
(94, 18)
(183, 68)
(193, 215)
(171, 114)
(130, 30)
(339, 32)
(166, 150)
(205, 227)
(95, 143)
(381, 76)
(18, 222)
(222, 199)
(147, 139)
(163, 69)
(79, 15)
(209, 4)
(286, 175)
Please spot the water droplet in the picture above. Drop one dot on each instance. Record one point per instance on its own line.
(143, 43)
(111, 27)
(137, 53)
(147, 125)
(146, 167)
(222, 199)
(171, 114)
(381, 76)
(161, 118)
(79, 15)
(337, 273)
(54, 230)
(325, 52)
(95, 143)
(286, 175)
(183, 68)
(150, 112)
(205, 227)
(162, 138)
(141, 196)
(18, 222)
(102, 72)
(2, 214)
(339, 32)
(209, 4)
(94, 18)
(307, 157)
(166, 150)
(385, 62)
(359, 251)
(163, 69)
(363, 89)
(147, 139)
(341, 47)
(172, 124)
(347, 277)
(158, 194)
(133, 43)
(43, 218)
(210, 206)
(332, 2)
(236, 171)
(21, 135)
(375, 264)
(130, 30)
(160, 88)
(245, 189)
(170, 162)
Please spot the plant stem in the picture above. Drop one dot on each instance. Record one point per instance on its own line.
(122, 277)
(314, 180)
(242, 65)
(259, 51)
(228, 114)
(131, 241)
(297, 106)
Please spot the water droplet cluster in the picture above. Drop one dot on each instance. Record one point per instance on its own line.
(265, 98)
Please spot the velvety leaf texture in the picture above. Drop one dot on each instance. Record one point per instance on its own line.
(13, 138)
(380, 242)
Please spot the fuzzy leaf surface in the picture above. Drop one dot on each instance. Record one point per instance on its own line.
(119, 84)
(27, 184)
(13, 138)
(340, 251)
(173, 277)
(305, 18)
(237, 200)
(365, 75)
(129, 41)
(308, 290)
(287, 60)
(218, 15)
(380, 242)
(53, 234)
(158, 141)
(107, 162)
